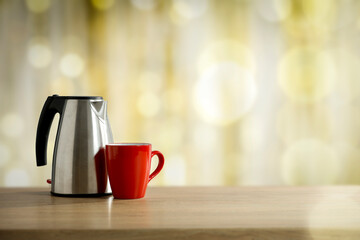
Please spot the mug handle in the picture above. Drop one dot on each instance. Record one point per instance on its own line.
(160, 164)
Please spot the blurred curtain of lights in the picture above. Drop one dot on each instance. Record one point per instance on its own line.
(232, 92)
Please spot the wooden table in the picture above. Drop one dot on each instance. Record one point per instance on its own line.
(185, 212)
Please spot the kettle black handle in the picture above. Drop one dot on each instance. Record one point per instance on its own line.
(53, 105)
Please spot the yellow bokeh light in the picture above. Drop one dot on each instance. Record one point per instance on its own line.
(295, 122)
(320, 13)
(310, 162)
(224, 93)
(71, 65)
(271, 77)
(102, 4)
(315, 17)
(148, 104)
(176, 18)
(39, 53)
(189, 9)
(307, 74)
(226, 50)
(38, 6)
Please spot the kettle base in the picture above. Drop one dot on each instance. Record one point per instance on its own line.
(81, 195)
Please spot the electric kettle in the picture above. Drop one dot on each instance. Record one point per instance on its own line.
(78, 159)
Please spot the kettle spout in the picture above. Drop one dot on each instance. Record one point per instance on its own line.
(99, 108)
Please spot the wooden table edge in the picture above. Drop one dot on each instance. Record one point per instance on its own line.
(183, 233)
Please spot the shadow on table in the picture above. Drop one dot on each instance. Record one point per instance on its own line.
(21, 198)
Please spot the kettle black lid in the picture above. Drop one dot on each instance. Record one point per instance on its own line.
(78, 97)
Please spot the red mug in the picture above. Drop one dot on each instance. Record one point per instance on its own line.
(128, 166)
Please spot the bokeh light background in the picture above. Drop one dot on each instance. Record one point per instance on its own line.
(238, 92)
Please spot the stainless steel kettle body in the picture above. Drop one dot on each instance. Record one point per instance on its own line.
(78, 161)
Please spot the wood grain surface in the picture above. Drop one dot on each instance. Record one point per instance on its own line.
(289, 213)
